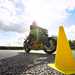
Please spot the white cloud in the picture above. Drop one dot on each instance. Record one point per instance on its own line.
(12, 38)
(7, 11)
(71, 4)
(17, 14)
(70, 32)
(44, 12)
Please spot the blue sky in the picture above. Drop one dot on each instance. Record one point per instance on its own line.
(16, 16)
(71, 18)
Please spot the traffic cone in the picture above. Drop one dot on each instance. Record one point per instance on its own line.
(64, 61)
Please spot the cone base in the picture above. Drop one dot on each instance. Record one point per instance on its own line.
(64, 72)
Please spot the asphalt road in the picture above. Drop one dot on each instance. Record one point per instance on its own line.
(18, 63)
(7, 53)
(10, 53)
(14, 62)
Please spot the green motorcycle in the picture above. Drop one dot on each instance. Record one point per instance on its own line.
(38, 40)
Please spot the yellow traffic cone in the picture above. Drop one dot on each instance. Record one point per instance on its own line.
(64, 61)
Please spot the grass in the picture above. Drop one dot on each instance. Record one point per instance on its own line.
(73, 52)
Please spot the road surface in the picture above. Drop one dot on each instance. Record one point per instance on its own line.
(10, 53)
(17, 63)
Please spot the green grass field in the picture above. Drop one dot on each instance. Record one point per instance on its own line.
(73, 53)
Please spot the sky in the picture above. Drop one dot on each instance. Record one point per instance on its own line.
(16, 16)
